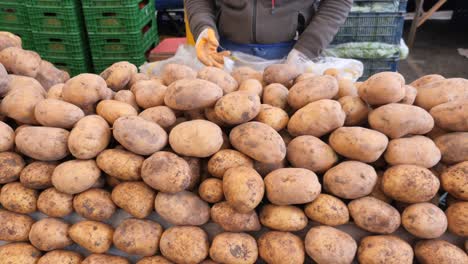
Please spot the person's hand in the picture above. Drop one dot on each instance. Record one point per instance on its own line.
(207, 49)
(299, 60)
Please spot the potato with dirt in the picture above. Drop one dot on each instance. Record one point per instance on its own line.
(20, 101)
(55, 92)
(275, 117)
(49, 234)
(184, 244)
(326, 244)
(241, 74)
(14, 227)
(284, 74)
(149, 93)
(173, 72)
(7, 141)
(383, 88)
(374, 215)
(21, 252)
(138, 237)
(237, 107)
(232, 221)
(211, 190)
(91, 235)
(424, 220)
(327, 210)
(48, 75)
(281, 248)
(8, 39)
(136, 198)
(61, 256)
(104, 259)
(234, 248)
(252, 86)
(94, 204)
(451, 116)
(192, 94)
(161, 115)
(53, 203)
(311, 90)
(410, 95)
(182, 208)
(457, 218)
(89, 137)
(19, 61)
(42, 143)
(442, 91)
(121, 164)
(453, 146)
(37, 175)
(156, 260)
(276, 95)
(454, 180)
(17, 198)
(4, 80)
(11, 165)
(421, 81)
(415, 150)
(243, 188)
(346, 87)
(196, 138)
(356, 110)
(119, 74)
(57, 113)
(283, 217)
(111, 110)
(75, 176)
(436, 251)
(85, 90)
(226, 159)
(384, 249)
(220, 78)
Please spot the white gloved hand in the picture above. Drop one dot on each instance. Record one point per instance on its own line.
(300, 61)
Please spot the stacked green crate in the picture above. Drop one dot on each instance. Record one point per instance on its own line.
(14, 18)
(120, 30)
(59, 34)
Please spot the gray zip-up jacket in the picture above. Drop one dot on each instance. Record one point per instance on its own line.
(271, 21)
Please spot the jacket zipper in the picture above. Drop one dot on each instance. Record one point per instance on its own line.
(254, 22)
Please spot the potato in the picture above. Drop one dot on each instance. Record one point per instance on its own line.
(118, 75)
(258, 141)
(243, 188)
(454, 180)
(442, 91)
(453, 146)
(326, 244)
(75, 176)
(94, 204)
(292, 186)
(136, 198)
(54, 203)
(225, 159)
(398, 120)
(42, 143)
(383, 88)
(237, 107)
(276, 95)
(91, 235)
(424, 220)
(17, 198)
(305, 76)
(210, 115)
(426, 79)
(14, 227)
(57, 113)
(161, 115)
(8, 39)
(234, 248)
(19, 61)
(4, 79)
(11, 165)
(49, 234)
(104, 259)
(252, 86)
(355, 109)
(19, 81)
(174, 72)
(20, 101)
(182, 208)
(149, 93)
(346, 87)
(410, 183)
(241, 74)
(120, 164)
(311, 90)
(275, 117)
(166, 172)
(458, 219)
(284, 74)
(192, 94)
(85, 90)
(317, 118)
(37, 175)
(211, 190)
(232, 221)
(311, 153)
(220, 78)
(410, 95)
(327, 210)
(384, 249)
(283, 217)
(139, 135)
(196, 138)
(7, 141)
(358, 143)
(374, 215)
(281, 248)
(22, 253)
(195, 169)
(61, 256)
(138, 237)
(136, 77)
(439, 252)
(48, 75)
(416, 150)
(377, 192)
(55, 92)
(184, 244)
(89, 137)
(208, 261)
(111, 110)
(154, 260)
(127, 97)
(451, 116)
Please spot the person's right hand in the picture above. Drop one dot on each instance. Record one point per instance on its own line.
(207, 49)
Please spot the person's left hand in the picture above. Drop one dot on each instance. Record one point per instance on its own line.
(207, 49)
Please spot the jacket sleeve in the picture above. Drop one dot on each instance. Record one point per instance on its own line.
(319, 33)
(201, 14)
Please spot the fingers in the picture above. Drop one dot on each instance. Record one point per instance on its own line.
(203, 55)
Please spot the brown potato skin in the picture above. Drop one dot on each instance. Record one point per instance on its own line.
(275, 117)
(439, 252)
(14, 227)
(350, 180)
(7, 141)
(424, 220)
(48, 75)
(346, 87)
(19, 61)
(138, 237)
(196, 138)
(173, 72)
(154, 260)
(442, 91)
(327, 210)
(457, 218)
(252, 86)
(374, 215)
(37, 175)
(276, 247)
(127, 96)
(94, 204)
(54, 203)
(356, 110)
(383, 88)
(258, 141)
(311, 90)
(20, 101)
(121, 164)
(244, 73)
(49, 234)
(454, 180)
(377, 192)
(21, 252)
(410, 183)
(17, 198)
(311, 153)
(85, 90)
(136, 198)
(182, 208)
(410, 95)
(220, 78)
(89, 137)
(184, 244)
(161, 115)
(384, 249)
(291, 186)
(104, 259)
(65, 180)
(453, 146)
(234, 248)
(55, 92)
(415, 150)
(317, 118)
(225, 159)
(237, 107)
(283, 217)
(91, 235)
(452, 116)
(192, 94)
(284, 74)
(42, 143)
(421, 81)
(358, 143)
(326, 244)
(211, 190)
(57, 113)
(166, 172)
(243, 188)
(111, 110)
(11, 165)
(232, 221)
(61, 256)
(118, 75)
(149, 93)
(276, 95)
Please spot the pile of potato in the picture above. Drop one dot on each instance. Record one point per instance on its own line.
(275, 162)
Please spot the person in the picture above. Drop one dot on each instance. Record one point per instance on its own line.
(272, 29)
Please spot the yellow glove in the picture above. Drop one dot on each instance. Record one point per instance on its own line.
(207, 49)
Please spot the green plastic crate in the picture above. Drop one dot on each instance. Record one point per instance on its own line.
(118, 18)
(52, 3)
(61, 44)
(73, 66)
(100, 64)
(106, 3)
(13, 14)
(56, 19)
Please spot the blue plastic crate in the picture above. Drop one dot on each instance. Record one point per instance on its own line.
(402, 4)
(373, 66)
(169, 4)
